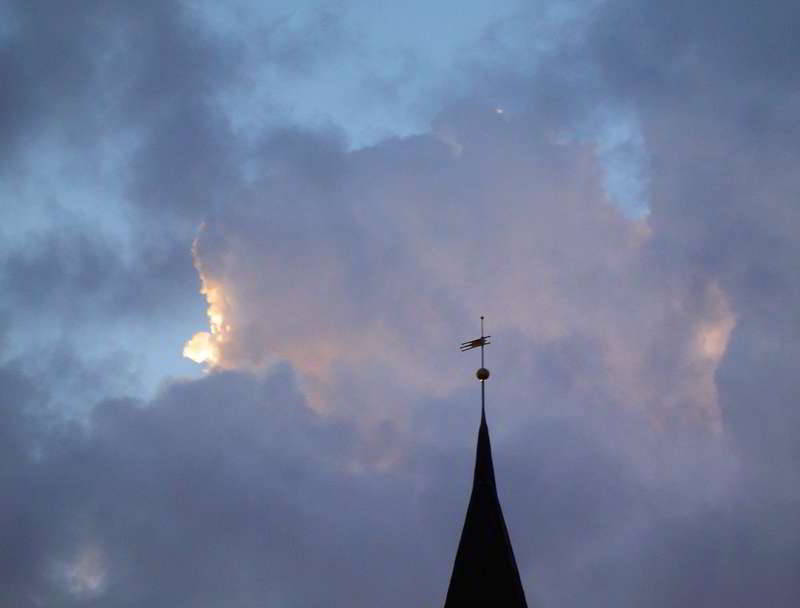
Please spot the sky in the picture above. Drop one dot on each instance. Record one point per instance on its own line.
(240, 243)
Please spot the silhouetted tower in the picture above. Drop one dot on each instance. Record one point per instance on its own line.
(485, 572)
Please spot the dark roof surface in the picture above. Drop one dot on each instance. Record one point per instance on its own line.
(485, 571)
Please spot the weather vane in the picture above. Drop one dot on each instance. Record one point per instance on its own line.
(483, 373)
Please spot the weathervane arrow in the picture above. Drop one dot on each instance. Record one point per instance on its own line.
(469, 345)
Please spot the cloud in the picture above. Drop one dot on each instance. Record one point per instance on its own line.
(223, 489)
(81, 274)
(230, 488)
(121, 142)
(341, 265)
(642, 399)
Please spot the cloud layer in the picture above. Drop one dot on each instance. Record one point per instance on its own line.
(643, 397)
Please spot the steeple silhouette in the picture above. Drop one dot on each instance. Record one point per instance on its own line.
(485, 571)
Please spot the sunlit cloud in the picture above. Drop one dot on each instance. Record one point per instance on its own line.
(205, 346)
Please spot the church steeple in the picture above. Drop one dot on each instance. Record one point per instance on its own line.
(485, 571)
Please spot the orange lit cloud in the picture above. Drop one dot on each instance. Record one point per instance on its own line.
(205, 346)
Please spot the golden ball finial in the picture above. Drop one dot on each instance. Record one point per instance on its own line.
(482, 374)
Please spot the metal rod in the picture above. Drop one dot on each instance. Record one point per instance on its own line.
(483, 382)
(482, 341)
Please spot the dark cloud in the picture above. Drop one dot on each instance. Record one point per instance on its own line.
(229, 489)
(153, 79)
(48, 68)
(224, 490)
(79, 275)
